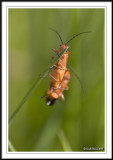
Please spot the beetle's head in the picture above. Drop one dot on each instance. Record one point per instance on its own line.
(62, 47)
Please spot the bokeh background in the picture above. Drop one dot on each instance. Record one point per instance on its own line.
(77, 122)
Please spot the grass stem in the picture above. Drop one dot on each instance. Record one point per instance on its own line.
(11, 147)
(64, 141)
(35, 85)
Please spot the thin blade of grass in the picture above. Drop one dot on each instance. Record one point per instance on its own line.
(11, 147)
(35, 85)
(64, 141)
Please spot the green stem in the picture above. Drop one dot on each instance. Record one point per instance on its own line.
(10, 146)
(34, 86)
(25, 98)
(64, 142)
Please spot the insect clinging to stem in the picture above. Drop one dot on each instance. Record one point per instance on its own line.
(59, 75)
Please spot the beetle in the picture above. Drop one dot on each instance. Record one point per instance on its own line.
(60, 75)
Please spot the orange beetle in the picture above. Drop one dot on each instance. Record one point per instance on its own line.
(59, 76)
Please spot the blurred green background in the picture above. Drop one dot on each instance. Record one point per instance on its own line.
(78, 121)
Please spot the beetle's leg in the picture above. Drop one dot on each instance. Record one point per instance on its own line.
(53, 78)
(68, 52)
(62, 66)
(66, 88)
(76, 77)
(56, 88)
(57, 67)
(57, 52)
(62, 96)
(54, 50)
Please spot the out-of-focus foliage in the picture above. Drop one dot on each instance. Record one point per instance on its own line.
(80, 117)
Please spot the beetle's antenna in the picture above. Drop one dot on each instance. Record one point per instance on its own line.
(57, 34)
(44, 96)
(77, 35)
